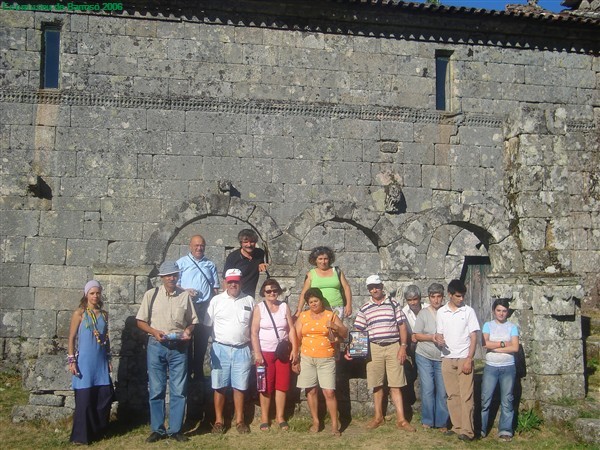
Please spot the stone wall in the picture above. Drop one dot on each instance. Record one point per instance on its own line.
(327, 136)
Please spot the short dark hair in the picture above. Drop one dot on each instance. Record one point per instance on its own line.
(457, 286)
(501, 302)
(318, 251)
(270, 282)
(248, 234)
(314, 292)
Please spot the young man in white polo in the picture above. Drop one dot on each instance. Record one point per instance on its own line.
(456, 335)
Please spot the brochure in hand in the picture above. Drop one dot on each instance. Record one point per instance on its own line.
(359, 344)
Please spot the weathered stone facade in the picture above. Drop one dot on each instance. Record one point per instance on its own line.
(322, 116)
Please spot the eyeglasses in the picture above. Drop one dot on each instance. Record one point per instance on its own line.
(271, 291)
(374, 286)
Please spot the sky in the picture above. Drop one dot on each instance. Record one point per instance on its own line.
(498, 5)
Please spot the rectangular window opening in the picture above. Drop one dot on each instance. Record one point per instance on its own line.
(442, 80)
(50, 56)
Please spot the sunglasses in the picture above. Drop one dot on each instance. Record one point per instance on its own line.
(271, 291)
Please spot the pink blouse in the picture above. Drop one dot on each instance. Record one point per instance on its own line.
(266, 334)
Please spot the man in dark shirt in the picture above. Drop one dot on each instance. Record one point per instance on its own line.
(248, 259)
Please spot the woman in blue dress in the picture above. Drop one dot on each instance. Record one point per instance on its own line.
(89, 362)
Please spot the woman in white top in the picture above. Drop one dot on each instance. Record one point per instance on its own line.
(501, 339)
(264, 344)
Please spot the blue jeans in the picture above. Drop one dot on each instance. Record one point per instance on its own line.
(163, 358)
(434, 410)
(505, 376)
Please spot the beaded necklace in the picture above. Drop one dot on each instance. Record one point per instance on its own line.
(95, 331)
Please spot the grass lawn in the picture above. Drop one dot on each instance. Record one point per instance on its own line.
(44, 435)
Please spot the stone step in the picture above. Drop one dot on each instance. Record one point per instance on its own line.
(587, 430)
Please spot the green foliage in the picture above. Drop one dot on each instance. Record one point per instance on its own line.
(433, 2)
(593, 364)
(528, 420)
(11, 392)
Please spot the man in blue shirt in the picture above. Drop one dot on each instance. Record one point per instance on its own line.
(200, 279)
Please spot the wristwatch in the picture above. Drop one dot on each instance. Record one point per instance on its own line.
(502, 344)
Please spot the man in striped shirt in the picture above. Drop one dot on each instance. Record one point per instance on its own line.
(382, 318)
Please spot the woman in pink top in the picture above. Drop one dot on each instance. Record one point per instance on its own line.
(264, 343)
(317, 330)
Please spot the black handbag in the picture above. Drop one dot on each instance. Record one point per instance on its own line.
(284, 347)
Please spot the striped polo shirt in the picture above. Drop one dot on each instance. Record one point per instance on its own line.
(381, 321)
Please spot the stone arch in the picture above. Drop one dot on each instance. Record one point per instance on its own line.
(447, 222)
(201, 207)
(371, 229)
(378, 228)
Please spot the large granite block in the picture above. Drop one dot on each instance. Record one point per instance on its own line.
(14, 274)
(544, 361)
(58, 299)
(10, 325)
(39, 323)
(58, 276)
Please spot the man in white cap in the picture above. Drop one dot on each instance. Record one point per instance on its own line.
(385, 323)
(168, 316)
(230, 314)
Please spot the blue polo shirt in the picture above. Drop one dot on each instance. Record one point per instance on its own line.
(191, 278)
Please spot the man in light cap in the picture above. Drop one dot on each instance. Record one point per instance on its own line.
(385, 323)
(168, 316)
(230, 314)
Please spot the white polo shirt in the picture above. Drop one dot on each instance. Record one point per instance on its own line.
(456, 326)
(230, 318)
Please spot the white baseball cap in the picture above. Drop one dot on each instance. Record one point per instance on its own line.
(374, 279)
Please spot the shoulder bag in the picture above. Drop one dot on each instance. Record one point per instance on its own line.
(284, 347)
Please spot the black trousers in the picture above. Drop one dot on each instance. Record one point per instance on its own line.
(199, 343)
(92, 412)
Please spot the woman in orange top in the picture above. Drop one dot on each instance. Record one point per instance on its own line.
(316, 329)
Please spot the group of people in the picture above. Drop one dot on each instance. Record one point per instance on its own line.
(446, 339)
(181, 314)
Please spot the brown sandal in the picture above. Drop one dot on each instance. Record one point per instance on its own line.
(375, 423)
(218, 428)
(405, 426)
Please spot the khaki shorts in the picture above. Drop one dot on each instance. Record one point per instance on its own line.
(384, 360)
(316, 372)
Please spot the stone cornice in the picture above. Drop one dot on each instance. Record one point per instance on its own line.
(339, 111)
(283, 108)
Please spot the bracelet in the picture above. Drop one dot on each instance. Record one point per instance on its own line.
(403, 345)
(71, 359)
